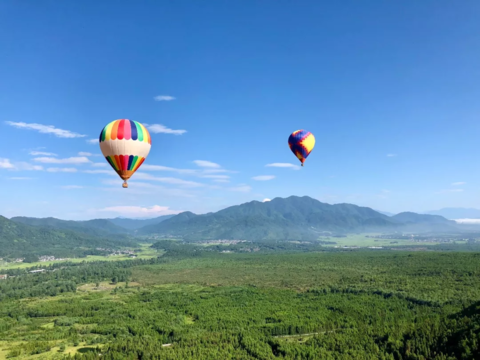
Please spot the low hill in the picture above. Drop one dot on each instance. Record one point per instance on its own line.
(280, 219)
(133, 224)
(96, 227)
(17, 239)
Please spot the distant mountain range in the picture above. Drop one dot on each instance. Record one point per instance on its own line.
(279, 219)
(457, 213)
(290, 218)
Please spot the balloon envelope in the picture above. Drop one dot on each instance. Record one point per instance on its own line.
(301, 143)
(125, 145)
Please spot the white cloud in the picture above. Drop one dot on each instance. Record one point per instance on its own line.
(56, 169)
(266, 200)
(148, 167)
(221, 181)
(284, 165)
(68, 187)
(206, 164)
(162, 129)
(139, 211)
(167, 180)
(467, 221)
(391, 155)
(108, 172)
(218, 177)
(84, 153)
(163, 98)
(70, 160)
(263, 177)
(241, 188)
(42, 153)
(386, 191)
(92, 141)
(20, 178)
(45, 129)
(6, 164)
(100, 164)
(458, 183)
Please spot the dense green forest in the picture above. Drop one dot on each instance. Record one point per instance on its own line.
(20, 240)
(283, 304)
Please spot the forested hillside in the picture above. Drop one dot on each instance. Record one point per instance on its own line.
(292, 218)
(96, 227)
(17, 240)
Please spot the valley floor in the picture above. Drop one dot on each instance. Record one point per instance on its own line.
(322, 305)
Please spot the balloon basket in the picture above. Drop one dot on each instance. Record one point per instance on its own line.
(125, 185)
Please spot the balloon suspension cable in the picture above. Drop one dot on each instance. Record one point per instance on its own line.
(125, 185)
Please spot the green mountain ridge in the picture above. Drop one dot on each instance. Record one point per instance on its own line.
(279, 219)
(95, 227)
(17, 239)
(134, 224)
(292, 218)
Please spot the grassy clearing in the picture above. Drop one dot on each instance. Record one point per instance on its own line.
(105, 286)
(361, 240)
(146, 252)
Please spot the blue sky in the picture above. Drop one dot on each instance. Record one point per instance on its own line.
(390, 89)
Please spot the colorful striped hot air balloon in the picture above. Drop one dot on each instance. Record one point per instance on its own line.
(125, 145)
(301, 143)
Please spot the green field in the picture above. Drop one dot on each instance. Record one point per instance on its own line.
(145, 252)
(323, 305)
(361, 240)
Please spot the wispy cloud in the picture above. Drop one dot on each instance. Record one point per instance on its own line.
(69, 187)
(45, 129)
(70, 160)
(92, 141)
(266, 200)
(391, 155)
(162, 129)
(241, 188)
(100, 164)
(100, 171)
(164, 98)
(147, 167)
(263, 177)
(67, 170)
(467, 221)
(206, 164)
(6, 164)
(139, 211)
(20, 178)
(84, 153)
(224, 177)
(42, 153)
(18, 166)
(284, 165)
(458, 183)
(168, 180)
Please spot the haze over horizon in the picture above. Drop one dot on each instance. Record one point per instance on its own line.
(389, 91)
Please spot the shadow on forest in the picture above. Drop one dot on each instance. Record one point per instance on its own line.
(86, 350)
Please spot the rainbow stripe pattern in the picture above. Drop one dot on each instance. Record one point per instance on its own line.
(301, 143)
(125, 129)
(125, 162)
